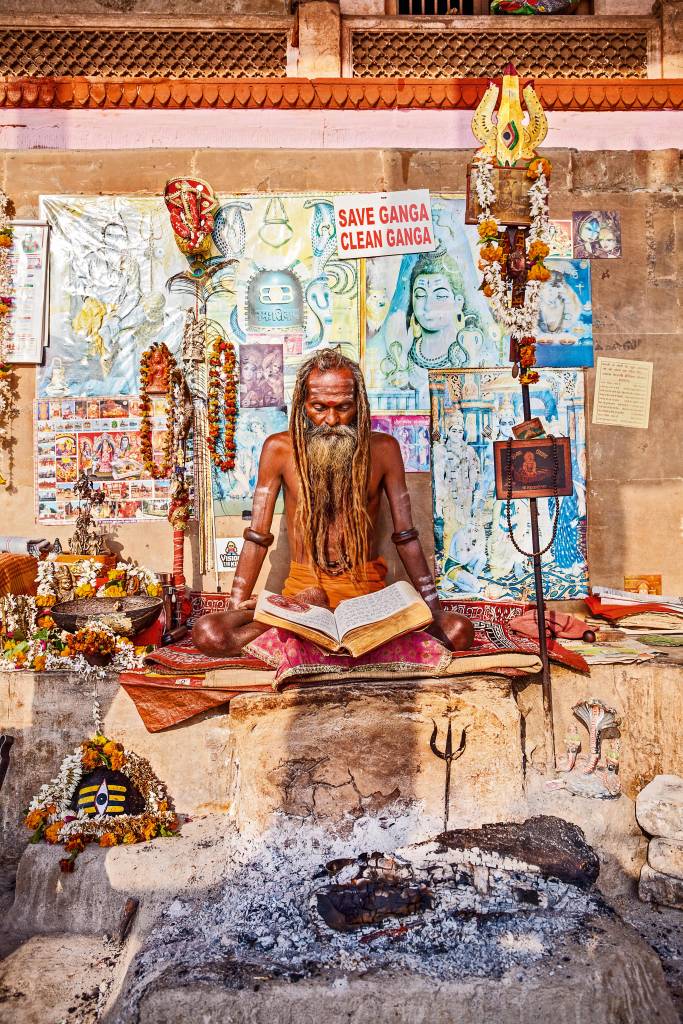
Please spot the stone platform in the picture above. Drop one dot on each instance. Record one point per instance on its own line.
(333, 753)
(180, 953)
(336, 752)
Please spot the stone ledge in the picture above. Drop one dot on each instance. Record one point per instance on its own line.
(335, 753)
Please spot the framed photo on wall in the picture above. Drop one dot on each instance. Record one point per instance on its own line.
(532, 467)
(512, 196)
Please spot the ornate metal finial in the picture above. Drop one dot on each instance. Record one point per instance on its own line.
(507, 140)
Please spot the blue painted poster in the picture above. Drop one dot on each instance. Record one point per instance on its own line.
(426, 312)
(475, 557)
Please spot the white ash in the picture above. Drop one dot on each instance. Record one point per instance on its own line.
(262, 917)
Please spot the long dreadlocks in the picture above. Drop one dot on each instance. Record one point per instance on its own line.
(344, 502)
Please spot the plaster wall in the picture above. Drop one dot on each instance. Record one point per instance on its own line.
(635, 476)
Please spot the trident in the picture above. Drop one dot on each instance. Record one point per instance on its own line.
(449, 756)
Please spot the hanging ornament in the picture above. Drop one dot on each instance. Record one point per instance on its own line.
(8, 380)
(191, 203)
(222, 404)
(511, 257)
(159, 374)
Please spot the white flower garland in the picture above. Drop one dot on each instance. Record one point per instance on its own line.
(518, 321)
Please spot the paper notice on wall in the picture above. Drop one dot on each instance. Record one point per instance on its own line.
(622, 392)
(384, 224)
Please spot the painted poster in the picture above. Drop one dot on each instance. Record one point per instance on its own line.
(474, 555)
(287, 290)
(102, 436)
(119, 283)
(262, 384)
(565, 316)
(110, 260)
(426, 312)
(412, 434)
(597, 234)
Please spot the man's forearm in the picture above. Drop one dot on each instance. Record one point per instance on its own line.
(415, 564)
(251, 559)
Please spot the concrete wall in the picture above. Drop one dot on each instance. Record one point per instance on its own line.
(636, 485)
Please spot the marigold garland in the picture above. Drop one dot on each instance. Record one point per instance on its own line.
(222, 404)
(519, 321)
(173, 410)
(52, 820)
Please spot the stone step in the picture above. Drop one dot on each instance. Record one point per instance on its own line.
(614, 977)
(334, 753)
(656, 887)
(659, 807)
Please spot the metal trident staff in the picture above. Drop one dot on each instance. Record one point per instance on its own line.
(449, 756)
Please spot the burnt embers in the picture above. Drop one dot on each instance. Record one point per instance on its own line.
(505, 868)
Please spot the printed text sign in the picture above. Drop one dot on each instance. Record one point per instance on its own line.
(384, 224)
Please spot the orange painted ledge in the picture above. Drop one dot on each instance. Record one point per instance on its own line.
(328, 93)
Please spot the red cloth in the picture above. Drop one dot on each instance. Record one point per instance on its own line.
(557, 624)
(614, 612)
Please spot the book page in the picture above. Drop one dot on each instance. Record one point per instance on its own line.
(361, 611)
(293, 610)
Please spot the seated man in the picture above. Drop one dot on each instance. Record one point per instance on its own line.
(333, 470)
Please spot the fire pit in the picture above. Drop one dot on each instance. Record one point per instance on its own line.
(504, 868)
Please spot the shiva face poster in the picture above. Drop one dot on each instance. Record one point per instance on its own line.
(475, 557)
(426, 312)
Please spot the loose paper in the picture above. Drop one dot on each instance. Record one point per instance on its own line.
(622, 393)
(28, 259)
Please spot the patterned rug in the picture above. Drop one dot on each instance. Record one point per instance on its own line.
(184, 659)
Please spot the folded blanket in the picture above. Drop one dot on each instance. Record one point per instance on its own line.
(184, 659)
(163, 701)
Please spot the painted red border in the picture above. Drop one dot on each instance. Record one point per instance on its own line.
(327, 94)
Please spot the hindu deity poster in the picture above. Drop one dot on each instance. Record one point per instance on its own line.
(100, 436)
(426, 312)
(273, 285)
(475, 557)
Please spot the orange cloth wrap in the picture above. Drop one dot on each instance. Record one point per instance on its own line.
(338, 588)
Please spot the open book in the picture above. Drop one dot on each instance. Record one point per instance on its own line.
(356, 626)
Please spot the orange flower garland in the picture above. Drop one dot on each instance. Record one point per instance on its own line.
(222, 403)
(173, 378)
(527, 359)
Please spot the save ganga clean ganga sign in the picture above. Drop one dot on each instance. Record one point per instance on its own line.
(384, 224)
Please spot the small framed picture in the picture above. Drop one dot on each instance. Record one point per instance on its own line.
(512, 196)
(531, 464)
(529, 429)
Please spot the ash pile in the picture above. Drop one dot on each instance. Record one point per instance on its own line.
(299, 903)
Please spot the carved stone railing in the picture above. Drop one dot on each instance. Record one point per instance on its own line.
(161, 48)
(548, 47)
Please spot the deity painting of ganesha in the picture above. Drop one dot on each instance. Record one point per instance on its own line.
(334, 472)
